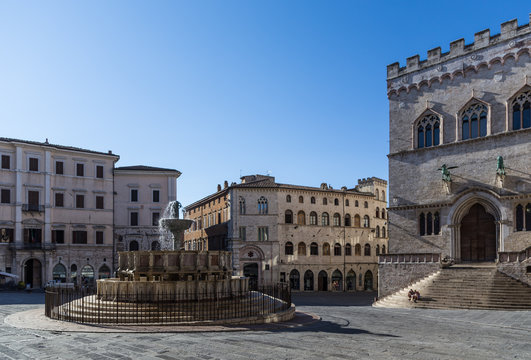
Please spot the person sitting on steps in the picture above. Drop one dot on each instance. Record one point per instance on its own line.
(410, 294)
(416, 296)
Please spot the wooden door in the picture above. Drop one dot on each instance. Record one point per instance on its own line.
(478, 235)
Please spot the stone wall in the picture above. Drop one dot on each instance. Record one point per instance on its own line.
(515, 264)
(396, 272)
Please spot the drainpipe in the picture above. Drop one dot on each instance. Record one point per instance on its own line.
(344, 244)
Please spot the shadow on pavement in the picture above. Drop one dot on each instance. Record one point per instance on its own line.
(333, 298)
(22, 298)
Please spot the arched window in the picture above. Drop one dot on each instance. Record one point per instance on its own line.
(301, 199)
(366, 205)
(383, 249)
(262, 205)
(325, 219)
(301, 249)
(294, 280)
(155, 245)
(377, 231)
(314, 249)
(326, 249)
(337, 249)
(348, 250)
(59, 273)
(288, 217)
(428, 131)
(528, 217)
(104, 272)
(521, 106)
(308, 280)
(436, 224)
(367, 251)
(325, 201)
(383, 195)
(347, 203)
(366, 221)
(383, 213)
(313, 218)
(429, 224)
(242, 205)
(519, 218)
(288, 198)
(336, 202)
(301, 218)
(337, 219)
(422, 224)
(288, 248)
(474, 121)
(377, 212)
(133, 245)
(312, 200)
(357, 221)
(357, 250)
(347, 220)
(356, 203)
(377, 250)
(383, 231)
(377, 194)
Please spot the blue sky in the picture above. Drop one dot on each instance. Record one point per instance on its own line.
(216, 89)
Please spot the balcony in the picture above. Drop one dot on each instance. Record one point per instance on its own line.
(33, 207)
(31, 246)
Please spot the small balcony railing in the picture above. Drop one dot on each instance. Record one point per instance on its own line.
(33, 207)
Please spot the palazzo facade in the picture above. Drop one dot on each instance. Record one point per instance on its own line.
(315, 238)
(459, 161)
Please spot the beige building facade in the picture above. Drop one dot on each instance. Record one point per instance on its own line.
(56, 212)
(141, 196)
(459, 164)
(315, 238)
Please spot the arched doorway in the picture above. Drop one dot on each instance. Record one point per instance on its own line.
(308, 280)
(337, 280)
(250, 270)
(104, 272)
(478, 235)
(351, 280)
(368, 281)
(322, 281)
(87, 275)
(73, 273)
(294, 280)
(32, 273)
(59, 273)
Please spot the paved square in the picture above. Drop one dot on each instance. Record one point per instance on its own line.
(349, 329)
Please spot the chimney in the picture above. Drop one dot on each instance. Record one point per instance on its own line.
(219, 187)
(225, 184)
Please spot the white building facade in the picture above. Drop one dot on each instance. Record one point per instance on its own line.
(56, 212)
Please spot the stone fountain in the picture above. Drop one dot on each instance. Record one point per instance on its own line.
(198, 274)
(172, 286)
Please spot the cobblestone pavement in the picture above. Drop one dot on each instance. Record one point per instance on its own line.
(349, 329)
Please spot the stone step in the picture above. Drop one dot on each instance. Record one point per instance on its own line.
(465, 287)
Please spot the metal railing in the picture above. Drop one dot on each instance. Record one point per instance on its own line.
(84, 305)
(32, 207)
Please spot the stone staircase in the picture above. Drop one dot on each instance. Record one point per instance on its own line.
(478, 286)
